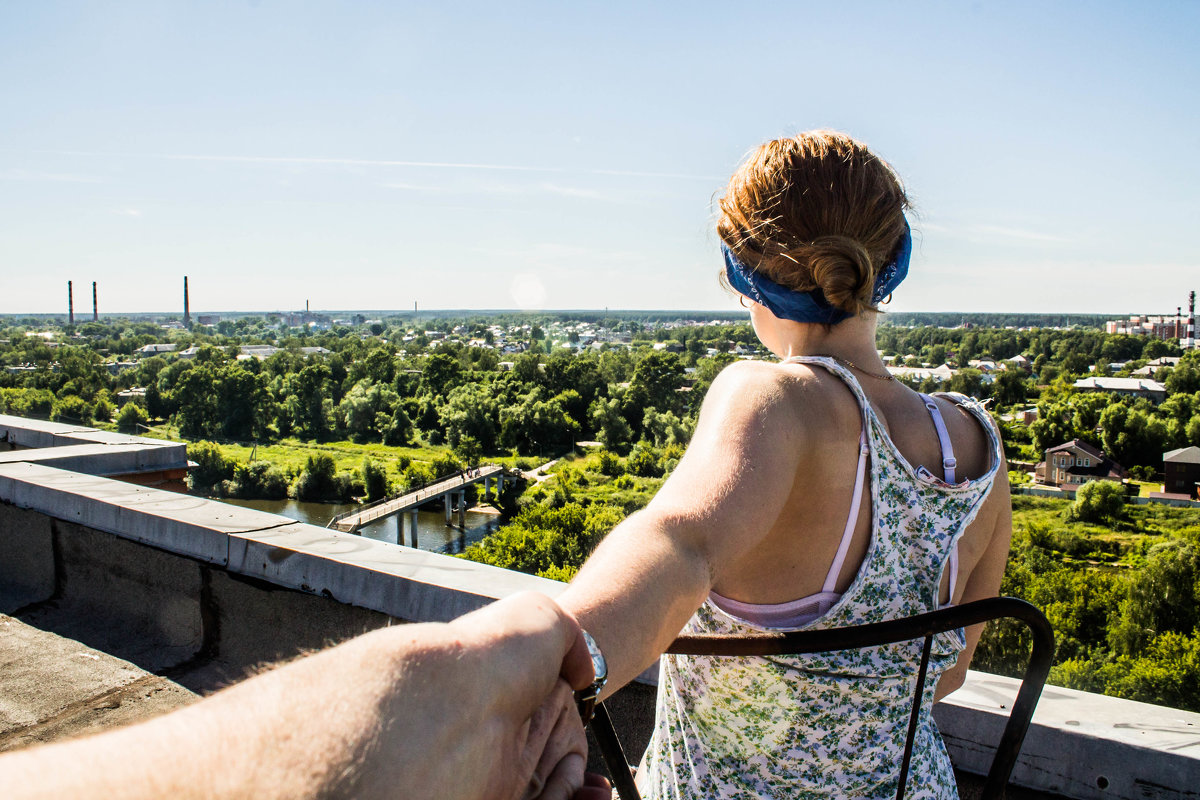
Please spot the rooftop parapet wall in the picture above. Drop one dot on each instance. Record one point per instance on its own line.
(35, 433)
(92, 451)
(402, 582)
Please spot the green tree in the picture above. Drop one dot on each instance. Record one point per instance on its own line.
(1163, 596)
(1185, 377)
(130, 417)
(71, 409)
(319, 483)
(1101, 502)
(471, 410)
(1133, 435)
(441, 373)
(307, 408)
(375, 480)
(195, 399)
(656, 381)
(243, 404)
(211, 466)
(469, 451)
(610, 425)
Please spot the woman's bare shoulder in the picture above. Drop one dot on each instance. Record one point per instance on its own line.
(772, 381)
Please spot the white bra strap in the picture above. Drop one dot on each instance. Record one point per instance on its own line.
(949, 462)
(953, 570)
(852, 520)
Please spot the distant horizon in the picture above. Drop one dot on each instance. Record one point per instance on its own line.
(81, 318)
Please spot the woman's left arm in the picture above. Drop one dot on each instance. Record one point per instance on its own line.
(984, 580)
(655, 569)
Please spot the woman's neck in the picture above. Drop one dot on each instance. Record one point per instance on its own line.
(852, 340)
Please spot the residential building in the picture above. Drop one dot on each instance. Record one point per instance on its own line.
(940, 374)
(155, 349)
(1126, 387)
(1152, 367)
(1074, 463)
(1181, 470)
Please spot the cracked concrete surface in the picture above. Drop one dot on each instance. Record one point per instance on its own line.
(53, 688)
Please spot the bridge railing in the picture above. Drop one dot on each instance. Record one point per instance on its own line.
(423, 492)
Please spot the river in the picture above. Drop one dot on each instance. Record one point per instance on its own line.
(433, 534)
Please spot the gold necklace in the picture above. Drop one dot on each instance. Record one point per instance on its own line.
(845, 362)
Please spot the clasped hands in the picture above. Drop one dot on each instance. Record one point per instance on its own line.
(500, 690)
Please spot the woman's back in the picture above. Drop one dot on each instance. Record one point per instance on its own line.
(792, 561)
(826, 724)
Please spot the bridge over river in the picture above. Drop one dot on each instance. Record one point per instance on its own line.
(448, 489)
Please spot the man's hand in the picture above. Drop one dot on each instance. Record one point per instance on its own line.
(478, 708)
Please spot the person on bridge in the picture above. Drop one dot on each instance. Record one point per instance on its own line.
(816, 492)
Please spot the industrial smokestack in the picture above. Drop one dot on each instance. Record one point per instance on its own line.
(1191, 328)
(70, 304)
(187, 314)
(95, 305)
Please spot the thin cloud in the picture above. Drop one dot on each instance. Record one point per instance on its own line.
(573, 191)
(509, 189)
(127, 212)
(365, 162)
(48, 177)
(1016, 233)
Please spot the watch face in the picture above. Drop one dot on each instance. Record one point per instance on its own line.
(599, 666)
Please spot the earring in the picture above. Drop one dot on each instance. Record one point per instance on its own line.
(742, 300)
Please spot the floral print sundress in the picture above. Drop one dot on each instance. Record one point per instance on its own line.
(828, 725)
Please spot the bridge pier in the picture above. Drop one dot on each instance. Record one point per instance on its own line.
(462, 509)
(412, 526)
(446, 501)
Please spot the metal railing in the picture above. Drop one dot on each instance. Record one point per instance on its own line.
(423, 493)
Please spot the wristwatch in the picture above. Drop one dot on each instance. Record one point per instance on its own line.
(585, 699)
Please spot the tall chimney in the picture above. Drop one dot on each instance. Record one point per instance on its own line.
(187, 314)
(95, 305)
(1191, 328)
(70, 304)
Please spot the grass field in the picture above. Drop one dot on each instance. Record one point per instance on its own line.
(290, 455)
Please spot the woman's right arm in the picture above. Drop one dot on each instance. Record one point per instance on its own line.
(654, 570)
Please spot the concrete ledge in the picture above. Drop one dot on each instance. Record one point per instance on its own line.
(1080, 745)
(189, 526)
(398, 581)
(102, 459)
(37, 433)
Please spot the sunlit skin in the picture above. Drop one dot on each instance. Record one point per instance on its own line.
(478, 708)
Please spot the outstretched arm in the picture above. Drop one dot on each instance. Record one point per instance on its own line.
(475, 708)
(654, 570)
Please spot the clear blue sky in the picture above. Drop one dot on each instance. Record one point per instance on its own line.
(366, 155)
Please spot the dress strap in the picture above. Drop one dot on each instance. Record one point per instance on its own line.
(852, 520)
(949, 462)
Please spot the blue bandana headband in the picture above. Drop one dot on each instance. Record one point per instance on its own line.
(812, 306)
